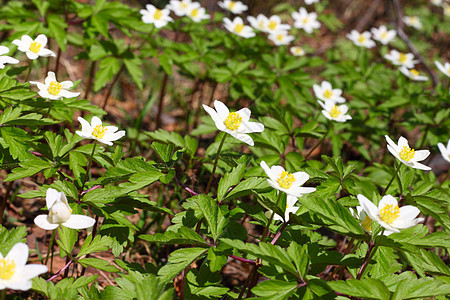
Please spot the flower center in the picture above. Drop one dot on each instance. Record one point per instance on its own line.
(384, 35)
(54, 88)
(361, 38)
(99, 131)
(389, 213)
(280, 37)
(184, 5)
(367, 224)
(7, 268)
(231, 5)
(402, 57)
(305, 20)
(238, 28)
(286, 180)
(261, 24)
(407, 153)
(233, 121)
(194, 13)
(414, 72)
(158, 14)
(35, 47)
(448, 70)
(273, 25)
(328, 94)
(335, 111)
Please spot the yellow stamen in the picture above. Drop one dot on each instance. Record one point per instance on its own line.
(361, 38)
(328, 94)
(194, 13)
(238, 28)
(158, 14)
(414, 72)
(99, 131)
(335, 111)
(286, 180)
(280, 37)
(273, 25)
(261, 24)
(305, 20)
(184, 5)
(231, 5)
(367, 224)
(389, 213)
(54, 88)
(233, 121)
(35, 47)
(384, 35)
(407, 153)
(402, 57)
(7, 268)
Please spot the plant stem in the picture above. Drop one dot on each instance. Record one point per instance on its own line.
(4, 200)
(392, 179)
(3, 296)
(49, 109)
(50, 246)
(320, 142)
(208, 187)
(90, 78)
(369, 255)
(30, 66)
(108, 93)
(266, 229)
(88, 168)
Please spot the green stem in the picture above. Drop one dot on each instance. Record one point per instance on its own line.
(208, 187)
(370, 254)
(30, 66)
(88, 168)
(266, 229)
(50, 246)
(320, 142)
(3, 296)
(49, 109)
(392, 179)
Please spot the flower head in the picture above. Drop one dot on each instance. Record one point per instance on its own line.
(286, 182)
(6, 59)
(436, 2)
(260, 22)
(383, 35)
(236, 124)
(54, 90)
(60, 213)
(182, 8)
(236, 7)
(309, 2)
(412, 74)
(95, 130)
(412, 21)
(33, 48)
(389, 215)
(306, 21)
(333, 112)
(274, 25)
(444, 68)
(406, 155)
(15, 274)
(281, 38)
(290, 208)
(401, 59)
(237, 27)
(158, 17)
(361, 39)
(325, 92)
(445, 151)
(297, 51)
(366, 221)
(197, 14)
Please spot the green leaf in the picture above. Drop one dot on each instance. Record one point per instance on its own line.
(214, 217)
(366, 288)
(181, 235)
(231, 178)
(67, 239)
(134, 69)
(99, 244)
(8, 238)
(99, 264)
(247, 186)
(57, 26)
(16, 139)
(28, 168)
(179, 260)
(420, 288)
(108, 67)
(276, 289)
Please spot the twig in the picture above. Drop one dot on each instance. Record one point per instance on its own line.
(246, 260)
(401, 33)
(60, 271)
(108, 93)
(185, 187)
(368, 15)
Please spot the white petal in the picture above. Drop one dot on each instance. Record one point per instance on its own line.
(18, 254)
(420, 155)
(387, 200)
(51, 197)
(95, 121)
(85, 126)
(114, 136)
(41, 39)
(3, 50)
(250, 127)
(42, 222)
(294, 191)
(420, 166)
(245, 114)
(66, 84)
(402, 142)
(79, 222)
(370, 208)
(31, 55)
(392, 144)
(393, 152)
(217, 120)
(408, 212)
(67, 94)
(222, 109)
(44, 52)
(50, 77)
(33, 270)
(243, 137)
(300, 178)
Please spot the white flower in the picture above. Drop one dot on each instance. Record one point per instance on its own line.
(309, 2)
(412, 21)
(436, 2)
(406, 155)
(389, 215)
(54, 90)
(274, 25)
(383, 35)
(297, 51)
(361, 39)
(33, 49)
(158, 17)
(401, 59)
(260, 22)
(366, 221)
(6, 59)
(236, 124)
(95, 130)
(325, 92)
(412, 74)
(445, 151)
(286, 182)
(333, 112)
(290, 208)
(236, 7)
(281, 38)
(446, 8)
(181, 8)
(197, 14)
(60, 213)
(445, 68)
(15, 274)
(304, 20)
(237, 27)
